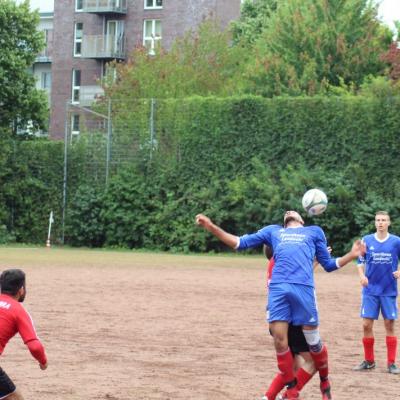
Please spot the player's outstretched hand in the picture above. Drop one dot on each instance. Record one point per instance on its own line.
(203, 221)
(396, 274)
(43, 366)
(358, 249)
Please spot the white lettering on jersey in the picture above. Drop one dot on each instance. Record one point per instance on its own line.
(292, 237)
(383, 258)
(4, 304)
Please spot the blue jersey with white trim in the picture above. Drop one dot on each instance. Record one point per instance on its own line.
(294, 251)
(380, 261)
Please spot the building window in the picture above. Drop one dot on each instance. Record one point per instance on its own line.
(152, 35)
(152, 4)
(45, 82)
(78, 5)
(76, 85)
(75, 120)
(78, 33)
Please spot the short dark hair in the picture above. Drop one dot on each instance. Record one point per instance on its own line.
(11, 280)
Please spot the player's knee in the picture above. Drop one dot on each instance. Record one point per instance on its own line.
(389, 326)
(281, 343)
(368, 325)
(313, 340)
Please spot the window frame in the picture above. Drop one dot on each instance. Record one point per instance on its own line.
(45, 78)
(76, 89)
(78, 41)
(76, 6)
(154, 6)
(75, 117)
(153, 38)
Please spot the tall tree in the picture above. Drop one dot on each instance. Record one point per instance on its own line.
(200, 63)
(20, 42)
(309, 45)
(254, 18)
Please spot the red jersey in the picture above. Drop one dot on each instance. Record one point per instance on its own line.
(15, 319)
(270, 266)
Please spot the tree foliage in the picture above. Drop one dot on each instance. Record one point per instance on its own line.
(254, 18)
(200, 63)
(392, 57)
(20, 42)
(310, 45)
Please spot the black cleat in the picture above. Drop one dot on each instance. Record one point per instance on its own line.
(392, 369)
(366, 365)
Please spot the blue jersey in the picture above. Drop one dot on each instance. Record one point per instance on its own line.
(380, 261)
(294, 252)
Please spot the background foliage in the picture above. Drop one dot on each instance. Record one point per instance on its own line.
(20, 102)
(241, 160)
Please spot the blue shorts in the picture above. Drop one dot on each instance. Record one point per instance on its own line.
(293, 303)
(371, 305)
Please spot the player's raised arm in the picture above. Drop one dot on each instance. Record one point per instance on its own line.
(225, 237)
(357, 250)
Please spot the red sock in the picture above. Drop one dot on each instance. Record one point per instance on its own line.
(285, 365)
(368, 343)
(391, 344)
(321, 362)
(275, 387)
(302, 377)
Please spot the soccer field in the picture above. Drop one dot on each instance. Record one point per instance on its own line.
(131, 326)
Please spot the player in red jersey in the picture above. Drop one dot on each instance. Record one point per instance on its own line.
(15, 319)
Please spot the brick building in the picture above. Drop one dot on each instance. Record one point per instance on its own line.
(89, 33)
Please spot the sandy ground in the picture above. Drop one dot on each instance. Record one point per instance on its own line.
(132, 326)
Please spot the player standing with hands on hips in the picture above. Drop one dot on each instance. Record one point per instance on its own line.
(291, 297)
(378, 271)
(15, 319)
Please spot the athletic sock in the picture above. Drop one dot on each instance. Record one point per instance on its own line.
(368, 343)
(275, 387)
(391, 344)
(285, 365)
(302, 377)
(321, 362)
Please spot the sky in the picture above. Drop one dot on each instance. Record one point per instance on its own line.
(389, 11)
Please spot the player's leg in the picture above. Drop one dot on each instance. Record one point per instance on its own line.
(284, 357)
(305, 369)
(275, 386)
(279, 314)
(319, 354)
(306, 314)
(7, 388)
(370, 307)
(389, 312)
(304, 363)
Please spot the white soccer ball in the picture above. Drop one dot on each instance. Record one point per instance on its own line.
(314, 202)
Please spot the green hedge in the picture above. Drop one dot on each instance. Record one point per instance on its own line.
(243, 161)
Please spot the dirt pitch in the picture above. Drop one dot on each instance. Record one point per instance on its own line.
(132, 326)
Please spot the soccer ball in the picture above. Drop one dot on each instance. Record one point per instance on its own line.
(314, 202)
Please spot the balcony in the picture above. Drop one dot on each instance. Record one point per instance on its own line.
(89, 94)
(105, 6)
(45, 55)
(103, 47)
